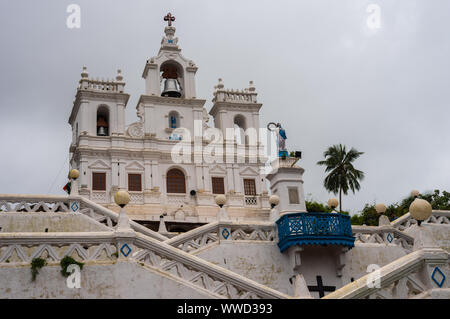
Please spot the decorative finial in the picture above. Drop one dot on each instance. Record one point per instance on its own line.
(251, 86)
(84, 73)
(169, 18)
(119, 76)
(220, 84)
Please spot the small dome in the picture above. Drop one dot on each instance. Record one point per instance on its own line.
(333, 202)
(415, 193)
(221, 200)
(122, 198)
(274, 200)
(74, 174)
(380, 208)
(420, 209)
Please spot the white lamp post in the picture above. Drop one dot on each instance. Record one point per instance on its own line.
(122, 198)
(220, 201)
(73, 175)
(420, 210)
(381, 209)
(274, 200)
(333, 203)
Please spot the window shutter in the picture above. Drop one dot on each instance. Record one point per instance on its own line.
(218, 186)
(99, 181)
(135, 182)
(176, 182)
(249, 187)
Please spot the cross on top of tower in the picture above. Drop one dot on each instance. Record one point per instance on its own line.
(169, 18)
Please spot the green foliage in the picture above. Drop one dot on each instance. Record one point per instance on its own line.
(36, 264)
(343, 176)
(65, 262)
(316, 207)
(369, 216)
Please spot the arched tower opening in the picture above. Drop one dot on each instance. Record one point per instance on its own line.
(102, 121)
(172, 80)
(240, 126)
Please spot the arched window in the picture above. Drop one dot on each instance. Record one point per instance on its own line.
(176, 182)
(174, 119)
(102, 121)
(239, 129)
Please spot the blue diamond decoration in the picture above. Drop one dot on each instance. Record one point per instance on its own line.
(170, 41)
(439, 272)
(390, 238)
(225, 233)
(75, 206)
(127, 248)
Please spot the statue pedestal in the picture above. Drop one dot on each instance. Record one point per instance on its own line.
(286, 181)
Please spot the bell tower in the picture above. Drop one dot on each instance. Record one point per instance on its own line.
(169, 73)
(170, 100)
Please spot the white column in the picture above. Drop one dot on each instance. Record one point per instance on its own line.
(199, 175)
(114, 173)
(83, 172)
(156, 178)
(230, 178)
(237, 179)
(122, 176)
(207, 180)
(147, 180)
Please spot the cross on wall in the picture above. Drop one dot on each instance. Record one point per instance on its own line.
(321, 288)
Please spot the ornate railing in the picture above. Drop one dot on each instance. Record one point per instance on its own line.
(406, 277)
(251, 200)
(68, 204)
(207, 235)
(437, 217)
(19, 249)
(314, 229)
(382, 235)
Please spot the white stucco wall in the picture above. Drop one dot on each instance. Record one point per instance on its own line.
(112, 280)
(365, 254)
(264, 263)
(440, 233)
(13, 222)
(261, 262)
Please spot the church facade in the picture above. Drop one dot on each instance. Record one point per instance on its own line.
(139, 157)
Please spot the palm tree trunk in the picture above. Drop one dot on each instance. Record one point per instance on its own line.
(340, 200)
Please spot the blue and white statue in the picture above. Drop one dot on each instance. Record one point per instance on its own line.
(281, 138)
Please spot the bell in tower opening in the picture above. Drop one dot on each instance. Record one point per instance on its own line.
(170, 76)
(102, 121)
(102, 127)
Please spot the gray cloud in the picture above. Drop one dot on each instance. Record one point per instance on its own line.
(317, 68)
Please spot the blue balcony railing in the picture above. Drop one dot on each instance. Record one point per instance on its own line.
(314, 229)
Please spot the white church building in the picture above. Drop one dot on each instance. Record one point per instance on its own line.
(137, 158)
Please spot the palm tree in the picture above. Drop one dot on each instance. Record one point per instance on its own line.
(343, 176)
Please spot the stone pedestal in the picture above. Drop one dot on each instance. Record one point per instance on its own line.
(286, 181)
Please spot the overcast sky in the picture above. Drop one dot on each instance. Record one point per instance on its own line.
(317, 67)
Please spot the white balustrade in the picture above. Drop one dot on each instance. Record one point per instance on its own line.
(437, 217)
(406, 277)
(382, 235)
(46, 203)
